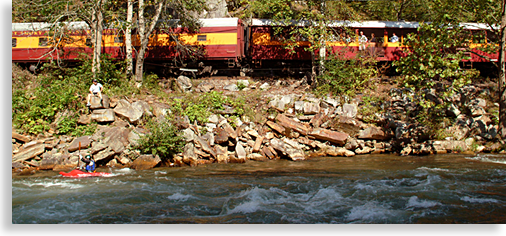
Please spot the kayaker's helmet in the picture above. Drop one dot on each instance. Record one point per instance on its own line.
(88, 157)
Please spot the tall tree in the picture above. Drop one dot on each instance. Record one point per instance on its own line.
(128, 39)
(502, 74)
(64, 11)
(145, 29)
(96, 24)
(159, 13)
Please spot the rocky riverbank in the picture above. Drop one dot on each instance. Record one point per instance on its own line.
(299, 126)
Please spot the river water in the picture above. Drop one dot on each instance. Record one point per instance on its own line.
(363, 189)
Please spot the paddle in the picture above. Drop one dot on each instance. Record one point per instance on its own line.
(79, 155)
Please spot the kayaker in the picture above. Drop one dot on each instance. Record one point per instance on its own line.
(90, 163)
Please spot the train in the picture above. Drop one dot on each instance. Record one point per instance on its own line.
(227, 45)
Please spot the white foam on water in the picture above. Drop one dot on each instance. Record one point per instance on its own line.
(180, 197)
(50, 184)
(252, 200)
(478, 200)
(414, 202)
(433, 169)
(370, 212)
(125, 171)
(278, 200)
(160, 172)
(488, 158)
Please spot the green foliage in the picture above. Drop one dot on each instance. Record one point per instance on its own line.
(33, 110)
(199, 108)
(345, 77)
(68, 125)
(433, 57)
(371, 105)
(431, 69)
(164, 139)
(111, 71)
(55, 90)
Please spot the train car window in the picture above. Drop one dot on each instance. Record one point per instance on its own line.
(201, 38)
(173, 38)
(14, 43)
(491, 37)
(280, 34)
(378, 34)
(42, 42)
(88, 42)
(337, 35)
(118, 39)
(478, 36)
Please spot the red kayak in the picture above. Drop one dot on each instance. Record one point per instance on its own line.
(82, 174)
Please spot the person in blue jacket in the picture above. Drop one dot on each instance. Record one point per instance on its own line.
(90, 163)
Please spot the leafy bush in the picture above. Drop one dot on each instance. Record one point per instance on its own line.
(345, 77)
(431, 69)
(432, 57)
(111, 72)
(33, 110)
(164, 139)
(199, 108)
(55, 90)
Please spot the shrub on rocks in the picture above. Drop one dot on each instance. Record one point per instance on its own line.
(163, 139)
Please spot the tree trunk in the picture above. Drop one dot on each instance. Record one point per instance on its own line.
(502, 74)
(97, 20)
(128, 39)
(144, 36)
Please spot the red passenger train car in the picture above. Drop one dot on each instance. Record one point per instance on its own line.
(33, 43)
(226, 44)
(219, 42)
(266, 45)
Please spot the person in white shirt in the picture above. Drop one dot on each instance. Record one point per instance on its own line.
(95, 89)
(362, 40)
(394, 38)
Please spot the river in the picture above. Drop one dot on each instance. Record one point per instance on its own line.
(363, 189)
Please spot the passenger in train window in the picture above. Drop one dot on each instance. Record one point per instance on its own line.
(394, 38)
(362, 40)
(373, 39)
(373, 44)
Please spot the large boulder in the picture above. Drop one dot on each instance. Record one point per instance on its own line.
(311, 108)
(189, 155)
(142, 106)
(96, 103)
(329, 135)
(221, 154)
(130, 113)
(204, 145)
(115, 138)
(183, 84)
(240, 152)
(347, 109)
(160, 109)
(82, 142)
(338, 151)
(49, 161)
(450, 145)
(347, 125)
(221, 136)
(103, 115)
(105, 154)
(289, 148)
(145, 162)
(292, 124)
(29, 153)
(374, 133)
(20, 137)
